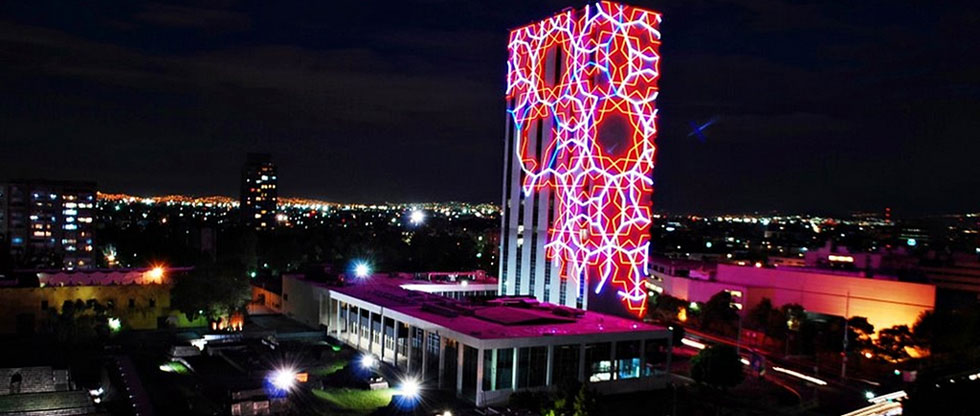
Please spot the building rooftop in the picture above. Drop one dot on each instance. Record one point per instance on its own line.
(104, 277)
(506, 317)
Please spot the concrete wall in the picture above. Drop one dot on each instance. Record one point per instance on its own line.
(301, 300)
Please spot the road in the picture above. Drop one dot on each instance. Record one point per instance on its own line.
(827, 392)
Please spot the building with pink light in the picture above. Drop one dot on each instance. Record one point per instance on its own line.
(884, 300)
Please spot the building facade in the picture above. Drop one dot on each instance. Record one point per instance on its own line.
(138, 298)
(579, 151)
(259, 197)
(884, 301)
(49, 223)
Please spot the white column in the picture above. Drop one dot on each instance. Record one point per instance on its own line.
(409, 348)
(337, 320)
(425, 353)
(493, 369)
(442, 361)
(514, 366)
(479, 374)
(460, 348)
(550, 366)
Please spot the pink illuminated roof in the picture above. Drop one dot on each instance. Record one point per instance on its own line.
(499, 318)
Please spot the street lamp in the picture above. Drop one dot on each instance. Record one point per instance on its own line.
(410, 388)
(283, 378)
(368, 361)
(362, 269)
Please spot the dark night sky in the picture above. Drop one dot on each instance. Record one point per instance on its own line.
(821, 107)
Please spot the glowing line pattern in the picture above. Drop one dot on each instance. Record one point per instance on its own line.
(601, 178)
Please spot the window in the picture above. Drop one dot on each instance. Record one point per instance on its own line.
(153, 303)
(565, 366)
(44, 305)
(132, 303)
(627, 359)
(505, 368)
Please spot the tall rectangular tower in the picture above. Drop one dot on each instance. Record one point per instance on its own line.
(581, 123)
(259, 197)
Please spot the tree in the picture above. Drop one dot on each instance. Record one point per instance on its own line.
(665, 307)
(719, 315)
(859, 332)
(212, 289)
(584, 403)
(770, 320)
(892, 342)
(717, 366)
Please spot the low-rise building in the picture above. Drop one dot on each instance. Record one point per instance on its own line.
(884, 300)
(488, 349)
(137, 298)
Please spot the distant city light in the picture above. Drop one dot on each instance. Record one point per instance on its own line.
(362, 270)
(416, 217)
(911, 242)
(707, 245)
(115, 324)
(368, 361)
(869, 395)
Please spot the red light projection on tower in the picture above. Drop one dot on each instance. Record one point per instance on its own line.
(590, 77)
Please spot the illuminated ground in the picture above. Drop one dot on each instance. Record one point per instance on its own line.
(353, 401)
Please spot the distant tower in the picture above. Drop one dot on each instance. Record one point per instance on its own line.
(258, 196)
(581, 123)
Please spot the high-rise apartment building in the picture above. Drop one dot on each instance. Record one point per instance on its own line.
(49, 223)
(259, 196)
(581, 123)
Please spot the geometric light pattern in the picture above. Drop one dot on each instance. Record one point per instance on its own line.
(591, 77)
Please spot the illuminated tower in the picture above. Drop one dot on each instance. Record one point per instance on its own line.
(258, 198)
(581, 123)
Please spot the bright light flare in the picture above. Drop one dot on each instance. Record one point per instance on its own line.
(115, 324)
(416, 217)
(284, 378)
(410, 388)
(368, 361)
(362, 270)
(156, 272)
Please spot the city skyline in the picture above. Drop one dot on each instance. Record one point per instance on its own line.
(797, 107)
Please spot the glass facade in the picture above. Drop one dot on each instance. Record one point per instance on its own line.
(565, 368)
(656, 352)
(532, 367)
(598, 362)
(628, 359)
